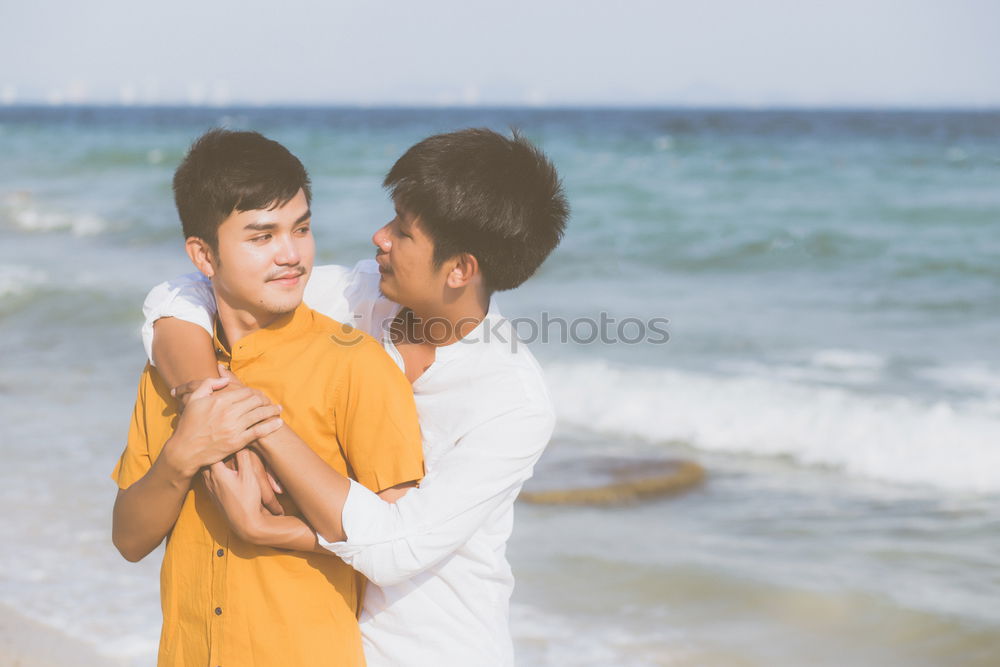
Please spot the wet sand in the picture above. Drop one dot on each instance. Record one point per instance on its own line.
(28, 643)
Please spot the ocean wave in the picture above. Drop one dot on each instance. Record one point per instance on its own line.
(17, 280)
(20, 209)
(894, 439)
(966, 377)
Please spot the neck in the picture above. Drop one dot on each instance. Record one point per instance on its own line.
(462, 311)
(237, 323)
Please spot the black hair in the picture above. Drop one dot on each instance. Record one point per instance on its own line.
(478, 192)
(228, 171)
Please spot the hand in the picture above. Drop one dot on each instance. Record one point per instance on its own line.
(226, 380)
(237, 494)
(267, 484)
(215, 425)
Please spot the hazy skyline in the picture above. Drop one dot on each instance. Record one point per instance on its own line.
(557, 52)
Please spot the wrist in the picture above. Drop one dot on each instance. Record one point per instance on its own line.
(257, 530)
(176, 464)
(268, 444)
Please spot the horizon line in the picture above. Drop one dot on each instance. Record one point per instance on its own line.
(387, 106)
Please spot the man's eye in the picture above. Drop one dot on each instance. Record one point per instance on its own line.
(261, 238)
(303, 230)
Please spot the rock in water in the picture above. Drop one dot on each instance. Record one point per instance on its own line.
(610, 481)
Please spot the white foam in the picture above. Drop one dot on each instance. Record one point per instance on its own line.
(15, 280)
(544, 638)
(895, 439)
(848, 360)
(966, 377)
(20, 209)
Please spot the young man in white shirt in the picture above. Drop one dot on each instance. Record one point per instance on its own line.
(476, 213)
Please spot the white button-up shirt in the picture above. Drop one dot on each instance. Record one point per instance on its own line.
(436, 557)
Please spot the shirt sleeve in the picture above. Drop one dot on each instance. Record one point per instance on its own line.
(483, 472)
(135, 460)
(188, 297)
(377, 419)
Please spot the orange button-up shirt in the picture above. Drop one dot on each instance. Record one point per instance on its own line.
(232, 604)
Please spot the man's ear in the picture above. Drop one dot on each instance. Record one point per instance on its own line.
(201, 255)
(464, 271)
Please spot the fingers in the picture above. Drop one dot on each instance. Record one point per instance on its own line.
(213, 475)
(264, 428)
(261, 481)
(199, 388)
(217, 469)
(246, 399)
(243, 462)
(259, 415)
(274, 483)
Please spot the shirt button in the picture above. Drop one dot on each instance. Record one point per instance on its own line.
(220, 553)
(218, 611)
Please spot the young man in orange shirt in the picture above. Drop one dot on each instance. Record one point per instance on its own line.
(244, 204)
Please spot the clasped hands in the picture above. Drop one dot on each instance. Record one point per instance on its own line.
(220, 422)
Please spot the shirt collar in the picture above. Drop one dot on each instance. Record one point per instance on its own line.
(482, 333)
(254, 344)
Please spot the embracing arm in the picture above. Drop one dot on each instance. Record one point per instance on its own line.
(182, 351)
(319, 490)
(177, 338)
(180, 313)
(146, 509)
(376, 429)
(482, 473)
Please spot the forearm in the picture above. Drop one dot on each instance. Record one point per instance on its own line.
(318, 489)
(473, 481)
(287, 532)
(182, 351)
(146, 511)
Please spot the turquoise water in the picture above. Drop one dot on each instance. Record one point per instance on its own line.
(833, 290)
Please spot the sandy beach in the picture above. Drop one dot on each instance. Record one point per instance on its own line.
(27, 643)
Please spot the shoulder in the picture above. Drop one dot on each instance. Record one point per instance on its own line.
(339, 335)
(511, 379)
(348, 345)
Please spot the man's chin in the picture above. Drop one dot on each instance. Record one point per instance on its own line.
(280, 304)
(386, 287)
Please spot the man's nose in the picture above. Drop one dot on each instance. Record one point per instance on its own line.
(288, 253)
(381, 239)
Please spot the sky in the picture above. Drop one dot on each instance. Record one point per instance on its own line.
(750, 53)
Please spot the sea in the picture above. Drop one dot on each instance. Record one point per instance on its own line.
(804, 302)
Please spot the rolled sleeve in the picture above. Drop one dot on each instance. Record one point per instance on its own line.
(188, 297)
(391, 542)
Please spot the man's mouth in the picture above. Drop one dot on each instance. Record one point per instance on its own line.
(287, 279)
(383, 268)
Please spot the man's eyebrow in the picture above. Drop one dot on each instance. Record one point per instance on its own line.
(268, 226)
